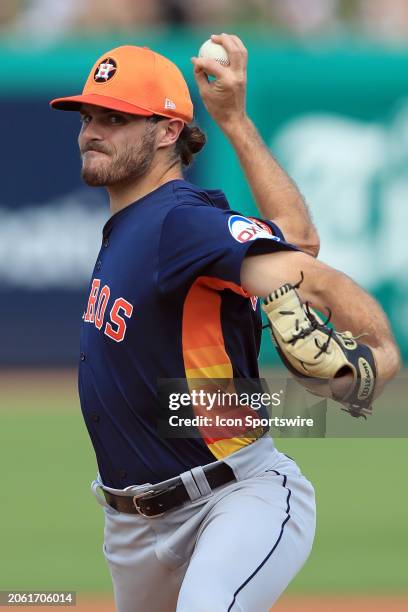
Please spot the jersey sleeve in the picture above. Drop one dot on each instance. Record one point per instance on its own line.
(206, 241)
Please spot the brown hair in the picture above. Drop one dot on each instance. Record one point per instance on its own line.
(190, 141)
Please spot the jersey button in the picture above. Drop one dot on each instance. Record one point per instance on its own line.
(82, 356)
(95, 417)
(98, 264)
(106, 243)
(123, 473)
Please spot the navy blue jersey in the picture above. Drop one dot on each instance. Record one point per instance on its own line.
(165, 301)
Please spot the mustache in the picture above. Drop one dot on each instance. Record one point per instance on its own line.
(95, 146)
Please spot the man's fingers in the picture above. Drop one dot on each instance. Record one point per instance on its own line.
(223, 97)
(240, 44)
(201, 79)
(209, 66)
(228, 39)
(237, 53)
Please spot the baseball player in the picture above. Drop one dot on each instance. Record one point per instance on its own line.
(208, 523)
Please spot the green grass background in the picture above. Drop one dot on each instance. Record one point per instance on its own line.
(51, 526)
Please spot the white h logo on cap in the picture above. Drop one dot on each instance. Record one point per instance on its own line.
(104, 71)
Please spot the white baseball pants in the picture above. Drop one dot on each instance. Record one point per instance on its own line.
(233, 549)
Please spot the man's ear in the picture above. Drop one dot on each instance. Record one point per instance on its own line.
(168, 132)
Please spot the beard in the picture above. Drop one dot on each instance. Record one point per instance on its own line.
(126, 167)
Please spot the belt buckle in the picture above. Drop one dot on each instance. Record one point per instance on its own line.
(136, 498)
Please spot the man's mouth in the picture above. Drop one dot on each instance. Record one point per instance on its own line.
(89, 152)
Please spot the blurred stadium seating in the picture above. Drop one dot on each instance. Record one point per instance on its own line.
(327, 89)
(52, 19)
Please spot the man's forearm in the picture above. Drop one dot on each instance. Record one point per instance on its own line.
(276, 195)
(352, 308)
(355, 310)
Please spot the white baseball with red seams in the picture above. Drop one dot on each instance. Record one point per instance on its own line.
(212, 50)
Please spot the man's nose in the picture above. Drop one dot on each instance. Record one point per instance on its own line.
(89, 133)
(92, 131)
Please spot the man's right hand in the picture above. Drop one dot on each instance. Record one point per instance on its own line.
(224, 97)
(275, 194)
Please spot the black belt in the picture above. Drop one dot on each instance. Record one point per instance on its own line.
(156, 503)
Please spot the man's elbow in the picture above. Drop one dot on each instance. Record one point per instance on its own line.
(300, 232)
(310, 243)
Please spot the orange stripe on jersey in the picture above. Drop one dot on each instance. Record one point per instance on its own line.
(223, 448)
(204, 351)
(205, 356)
(197, 357)
(203, 341)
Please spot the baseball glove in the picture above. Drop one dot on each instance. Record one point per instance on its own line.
(317, 354)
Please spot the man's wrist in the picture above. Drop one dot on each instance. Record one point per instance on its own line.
(236, 126)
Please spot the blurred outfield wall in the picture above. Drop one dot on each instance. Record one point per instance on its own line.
(336, 115)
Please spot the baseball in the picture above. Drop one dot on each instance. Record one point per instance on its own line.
(213, 50)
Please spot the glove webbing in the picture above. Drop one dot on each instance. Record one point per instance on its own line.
(360, 356)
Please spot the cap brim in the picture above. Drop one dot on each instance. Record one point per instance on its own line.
(74, 103)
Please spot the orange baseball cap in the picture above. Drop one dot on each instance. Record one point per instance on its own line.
(134, 80)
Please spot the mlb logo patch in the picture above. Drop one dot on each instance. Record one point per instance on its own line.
(245, 229)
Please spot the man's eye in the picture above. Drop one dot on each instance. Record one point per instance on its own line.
(116, 119)
(85, 119)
